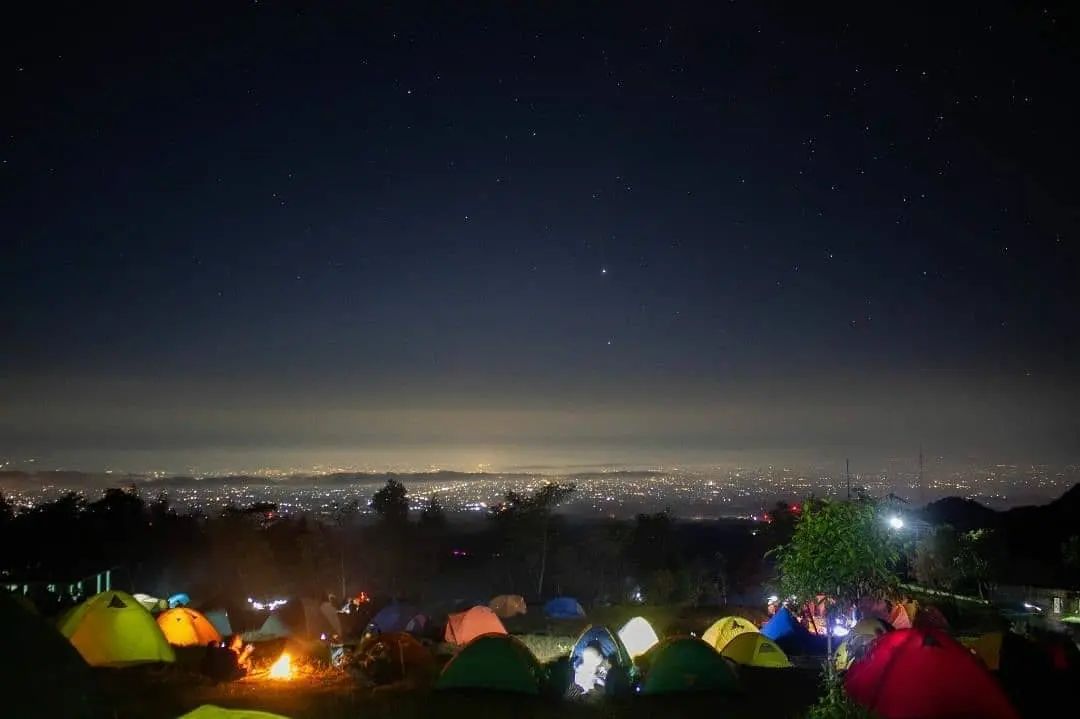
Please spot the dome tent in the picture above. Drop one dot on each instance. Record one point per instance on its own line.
(607, 642)
(724, 630)
(638, 636)
(112, 629)
(43, 676)
(564, 608)
(753, 649)
(393, 657)
(926, 674)
(184, 627)
(791, 636)
(220, 619)
(493, 662)
(397, 617)
(685, 664)
(463, 627)
(508, 605)
(209, 711)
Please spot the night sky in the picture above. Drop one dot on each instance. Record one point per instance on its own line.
(465, 233)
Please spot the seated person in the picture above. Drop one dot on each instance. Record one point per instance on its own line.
(589, 672)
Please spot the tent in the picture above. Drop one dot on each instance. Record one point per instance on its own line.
(564, 608)
(638, 636)
(925, 674)
(724, 630)
(299, 618)
(209, 711)
(871, 627)
(151, 604)
(754, 650)
(220, 619)
(463, 627)
(180, 599)
(903, 615)
(508, 605)
(608, 644)
(393, 657)
(685, 664)
(112, 629)
(791, 636)
(493, 662)
(43, 675)
(397, 617)
(185, 627)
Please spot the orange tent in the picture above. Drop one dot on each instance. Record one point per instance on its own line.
(463, 627)
(185, 627)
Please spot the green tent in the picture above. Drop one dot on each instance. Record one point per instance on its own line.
(209, 711)
(43, 675)
(685, 664)
(495, 662)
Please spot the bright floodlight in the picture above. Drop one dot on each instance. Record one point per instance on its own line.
(896, 522)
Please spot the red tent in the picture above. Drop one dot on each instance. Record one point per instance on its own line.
(462, 628)
(925, 673)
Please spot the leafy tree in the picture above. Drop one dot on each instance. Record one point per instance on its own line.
(7, 512)
(979, 559)
(841, 550)
(391, 503)
(934, 563)
(1070, 555)
(525, 521)
(432, 516)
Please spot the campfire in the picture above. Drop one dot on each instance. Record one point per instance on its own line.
(282, 668)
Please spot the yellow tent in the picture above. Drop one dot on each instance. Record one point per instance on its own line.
(209, 711)
(755, 650)
(988, 648)
(185, 627)
(638, 636)
(724, 630)
(113, 629)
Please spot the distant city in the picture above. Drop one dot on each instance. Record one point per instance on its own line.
(690, 493)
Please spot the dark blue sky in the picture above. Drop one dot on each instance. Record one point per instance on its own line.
(657, 232)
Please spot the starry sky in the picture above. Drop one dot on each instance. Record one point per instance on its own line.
(504, 233)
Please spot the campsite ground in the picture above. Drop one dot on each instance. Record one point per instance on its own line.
(166, 694)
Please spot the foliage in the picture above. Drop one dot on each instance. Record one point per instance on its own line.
(1070, 554)
(835, 704)
(840, 549)
(432, 516)
(935, 558)
(391, 503)
(523, 524)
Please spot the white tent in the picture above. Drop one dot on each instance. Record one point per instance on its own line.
(638, 636)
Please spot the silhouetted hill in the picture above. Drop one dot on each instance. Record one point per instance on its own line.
(963, 514)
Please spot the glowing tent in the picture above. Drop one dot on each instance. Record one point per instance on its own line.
(564, 608)
(112, 629)
(724, 630)
(606, 642)
(752, 649)
(463, 627)
(151, 604)
(925, 674)
(685, 664)
(508, 605)
(185, 627)
(493, 662)
(638, 636)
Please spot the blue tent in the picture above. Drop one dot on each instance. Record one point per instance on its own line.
(608, 643)
(394, 617)
(563, 608)
(791, 636)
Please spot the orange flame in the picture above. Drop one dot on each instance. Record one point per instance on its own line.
(282, 668)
